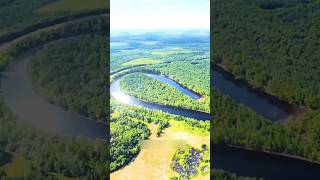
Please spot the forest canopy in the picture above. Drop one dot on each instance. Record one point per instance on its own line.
(273, 48)
(71, 74)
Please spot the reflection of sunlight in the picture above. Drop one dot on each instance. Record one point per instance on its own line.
(122, 97)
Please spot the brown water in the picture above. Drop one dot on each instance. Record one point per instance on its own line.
(16, 89)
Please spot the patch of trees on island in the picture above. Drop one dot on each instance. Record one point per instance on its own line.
(71, 73)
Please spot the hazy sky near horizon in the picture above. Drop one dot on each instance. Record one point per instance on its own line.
(160, 14)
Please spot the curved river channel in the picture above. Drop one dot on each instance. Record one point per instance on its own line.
(33, 109)
(235, 160)
(264, 104)
(119, 95)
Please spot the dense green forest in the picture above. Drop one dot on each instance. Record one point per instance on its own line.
(224, 175)
(18, 14)
(125, 142)
(181, 59)
(149, 89)
(20, 17)
(192, 74)
(95, 26)
(71, 74)
(240, 126)
(157, 117)
(271, 44)
(53, 154)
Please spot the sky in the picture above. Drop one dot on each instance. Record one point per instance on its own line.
(159, 14)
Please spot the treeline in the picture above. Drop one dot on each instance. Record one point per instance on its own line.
(237, 125)
(96, 25)
(18, 14)
(274, 4)
(273, 48)
(224, 175)
(53, 154)
(155, 116)
(186, 50)
(127, 129)
(71, 73)
(126, 135)
(19, 17)
(151, 90)
(79, 158)
(195, 76)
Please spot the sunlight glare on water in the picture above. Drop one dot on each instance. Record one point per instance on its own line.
(122, 97)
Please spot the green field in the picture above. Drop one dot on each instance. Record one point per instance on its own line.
(73, 5)
(19, 167)
(171, 51)
(141, 61)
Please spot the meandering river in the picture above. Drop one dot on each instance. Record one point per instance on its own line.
(35, 110)
(264, 104)
(235, 160)
(16, 89)
(121, 96)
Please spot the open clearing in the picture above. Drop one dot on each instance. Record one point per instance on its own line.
(141, 61)
(19, 167)
(155, 163)
(171, 51)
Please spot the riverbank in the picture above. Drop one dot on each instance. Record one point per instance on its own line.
(22, 100)
(118, 94)
(284, 155)
(252, 163)
(286, 110)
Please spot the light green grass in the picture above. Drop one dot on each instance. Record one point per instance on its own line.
(183, 126)
(141, 61)
(73, 5)
(171, 51)
(19, 167)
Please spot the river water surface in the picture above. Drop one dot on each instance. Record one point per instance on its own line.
(121, 96)
(29, 107)
(263, 165)
(264, 104)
